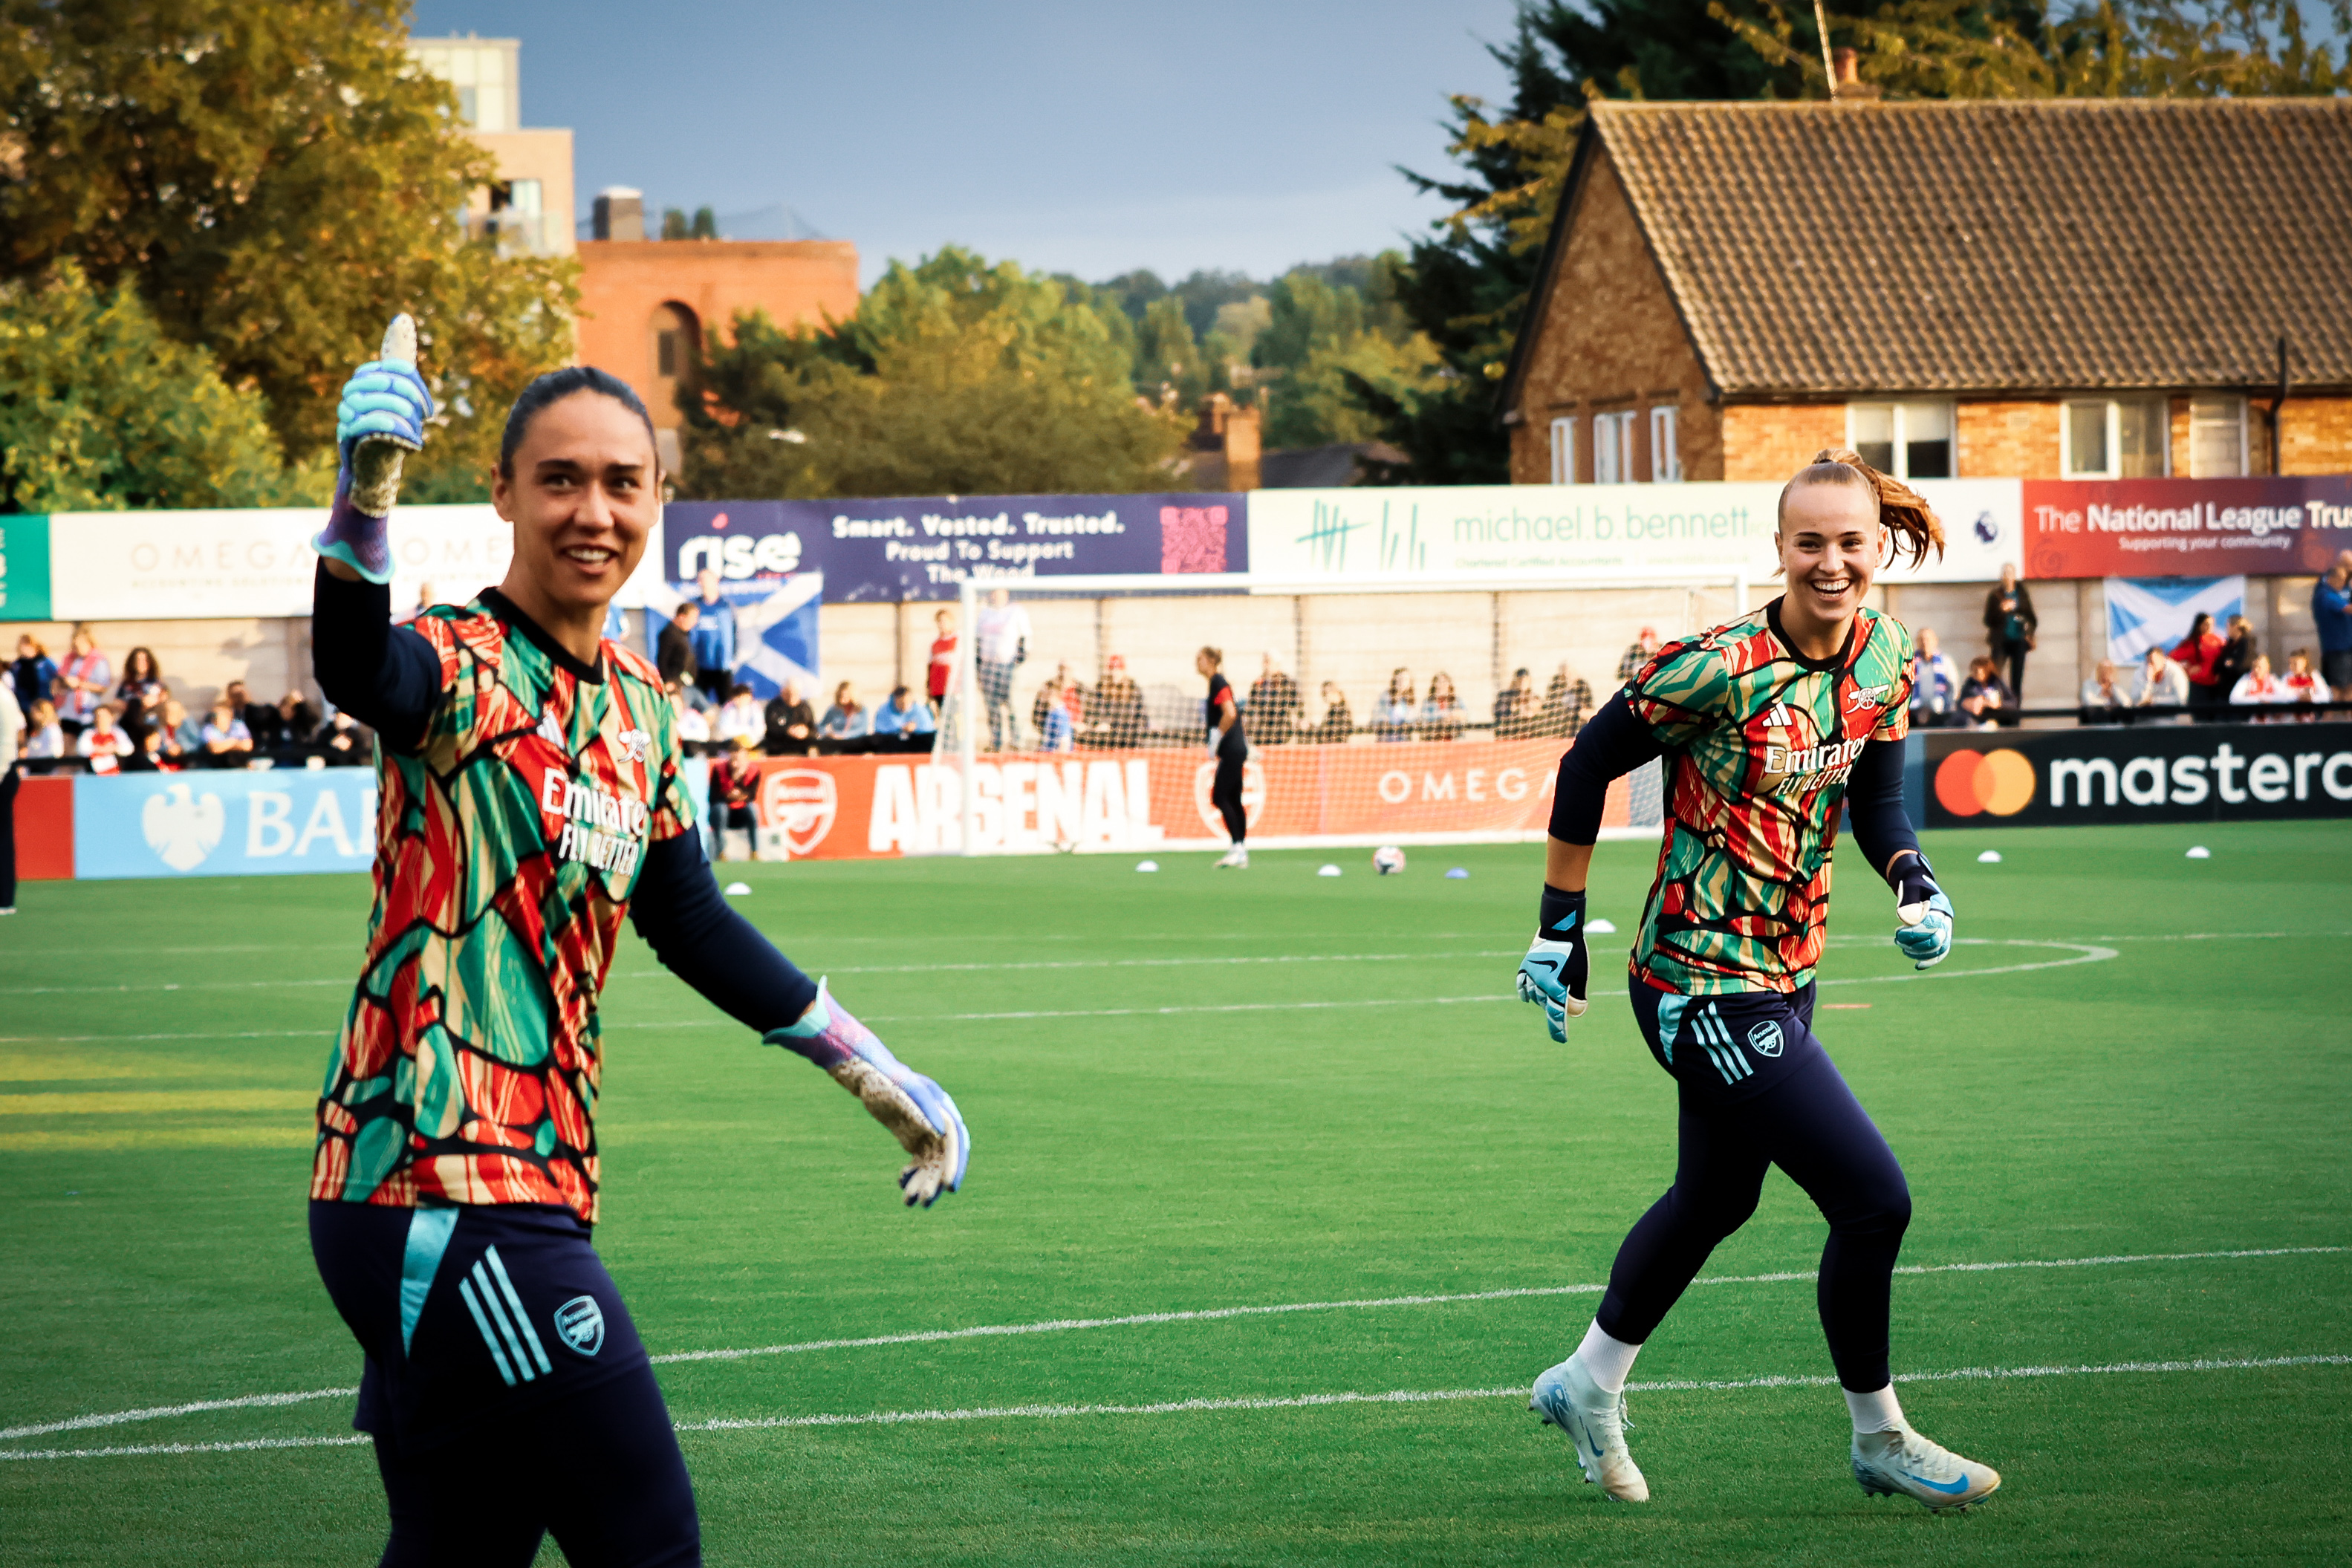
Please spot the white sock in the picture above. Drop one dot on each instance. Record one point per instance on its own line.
(1879, 1412)
(1608, 1362)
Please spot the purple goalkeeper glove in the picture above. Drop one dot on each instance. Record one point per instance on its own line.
(380, 420)
(918, 1112)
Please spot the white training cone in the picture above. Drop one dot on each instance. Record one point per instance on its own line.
(1146, 865)
(1990, 857)
(738, 890)
(2199, 852)
(1600, 928)
(1328, 870)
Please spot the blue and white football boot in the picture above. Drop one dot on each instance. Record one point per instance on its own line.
(1892, 1463)
(1567, 1397)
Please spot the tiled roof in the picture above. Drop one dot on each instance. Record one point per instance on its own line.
(1981, 246)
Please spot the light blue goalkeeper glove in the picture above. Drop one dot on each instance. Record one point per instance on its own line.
(918, 1112)
(1554, 972)
(1925, 934)
(380, 420)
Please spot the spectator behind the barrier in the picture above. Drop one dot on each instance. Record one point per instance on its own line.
(2162, 683)
(45, 737)
(1060, 687)
(2258, 688)
(12, 739)
(2104, 699)
(1515, 707)
(693, 723)
(1637, 654)
(673, 649)
(740, 716)
(187, 730)
(735, 784)
(148, 756)
(344, 742)
(82, 681)
(229, 741)
(260, 718)
(1934, 682)
(1272, 708)
(2010, 627)
(298, 724)
(141, 678)
(789, 727)
(33, 673)
(425, 600)
(941, 668)
(1441, 715)
(2196, 654)
(103, 744)
(1985, 697)
(1114, 711)
(1337, 722)
(1567, 700)
(2331, 612)
(903, 715)
(2302, 683)
(846, 719)
(2236, 657)
(713, 637)
(1060, 730)
(1003, 635)
(1394, 713)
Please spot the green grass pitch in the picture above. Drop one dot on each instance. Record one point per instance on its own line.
(1204, 1089)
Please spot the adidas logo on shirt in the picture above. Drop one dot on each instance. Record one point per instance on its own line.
(1778, 716)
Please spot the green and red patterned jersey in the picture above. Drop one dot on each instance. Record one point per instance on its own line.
(507, 841)
(1757, 744)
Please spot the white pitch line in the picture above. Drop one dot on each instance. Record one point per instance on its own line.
(1292, 1402)
(1205, 1314)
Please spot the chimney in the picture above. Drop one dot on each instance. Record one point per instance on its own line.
(1846, 83)
(620, 213)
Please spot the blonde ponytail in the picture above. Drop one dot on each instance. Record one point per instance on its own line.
(1912, 526)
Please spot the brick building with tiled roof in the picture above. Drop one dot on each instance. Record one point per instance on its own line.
(2046, 289)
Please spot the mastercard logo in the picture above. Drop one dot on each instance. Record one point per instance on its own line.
(2000, 782)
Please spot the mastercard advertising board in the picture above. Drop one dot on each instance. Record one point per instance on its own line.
(2138, 773)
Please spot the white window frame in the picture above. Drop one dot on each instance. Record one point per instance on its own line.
(1613, 439)
(1901, 456)
(1563, 450)
(2245, 455)
(2114, 412)
(1666, 453)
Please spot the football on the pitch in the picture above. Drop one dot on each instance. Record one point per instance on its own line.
(1388, 860)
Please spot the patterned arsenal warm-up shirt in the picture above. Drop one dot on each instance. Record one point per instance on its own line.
(507, 846)
(1758, 743)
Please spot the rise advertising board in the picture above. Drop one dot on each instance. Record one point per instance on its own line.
(2139, 773)
(2185, 528)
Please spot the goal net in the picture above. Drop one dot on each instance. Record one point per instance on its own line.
(1076, 718)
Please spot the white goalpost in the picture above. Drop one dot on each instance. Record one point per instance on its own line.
(1404, 713)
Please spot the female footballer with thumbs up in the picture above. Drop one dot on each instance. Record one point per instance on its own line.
(532, 793)
(1766, 726)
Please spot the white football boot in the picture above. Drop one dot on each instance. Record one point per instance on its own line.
(1237, 859)
(1567, 1397)
(1888, 1463)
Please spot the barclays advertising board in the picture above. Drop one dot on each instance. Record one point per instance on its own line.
(224, 823)
(924, 547)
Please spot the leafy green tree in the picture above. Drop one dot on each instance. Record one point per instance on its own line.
(954, 377)
(1169, 363)
(100, 412)
(276, 181)
(706, 224)
(1331, 328)
(673, 223)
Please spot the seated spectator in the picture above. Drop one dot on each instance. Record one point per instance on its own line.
(147, 754)
(902, 717)
(1567, 703)
(140, 678)
(673, 649)
(1337, 723)
(1114, 713)
(789, 728)
(2258, 687)
(1394, 714)
(1934, 682)
(1060, 730)
(1986, 700)
(735, 785)
(344, 742)
(740, 716)
(1062, 688)
(227, 742)
(846, 719)
(145, 712)
(2302, 683)
(2103, 696)
(693, 724)
(1441, 715)
(1272, 711)
(170, 721)
(2162, 683)
(45, 737)
(187, 730)
(103, 742)
(1515, 707)
(297, 723)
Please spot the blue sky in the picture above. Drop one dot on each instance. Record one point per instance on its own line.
(1071, 137)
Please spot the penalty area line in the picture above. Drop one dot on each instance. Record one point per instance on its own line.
(1290, 1401)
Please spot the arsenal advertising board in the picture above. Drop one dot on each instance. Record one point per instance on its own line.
(836, 808)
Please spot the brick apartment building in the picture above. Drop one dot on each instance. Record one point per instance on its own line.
(2053, 289)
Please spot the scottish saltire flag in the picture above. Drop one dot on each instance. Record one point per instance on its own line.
(2145, 612)
(775, 637)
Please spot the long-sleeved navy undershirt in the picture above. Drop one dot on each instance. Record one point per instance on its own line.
(1615, 742)
(389, 679)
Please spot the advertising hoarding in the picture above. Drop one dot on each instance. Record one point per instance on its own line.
(24, 570)
(2185, 528)
(2139, 773)
(224, 823)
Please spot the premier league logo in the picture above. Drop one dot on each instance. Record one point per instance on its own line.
(1765, 1038)
(580, 1324)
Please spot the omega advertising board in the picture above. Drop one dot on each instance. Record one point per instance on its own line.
(2185, 528)
(2138, 773)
